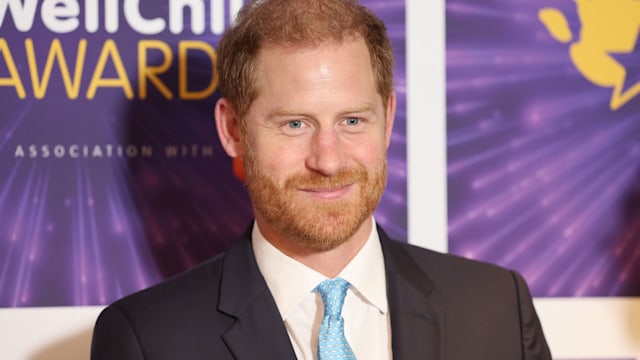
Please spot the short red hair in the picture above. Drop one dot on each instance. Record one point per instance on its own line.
(298, 23)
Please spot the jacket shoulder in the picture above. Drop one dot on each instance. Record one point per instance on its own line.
(449, 266)
(483, 304)
(177, 314)
(197, 284)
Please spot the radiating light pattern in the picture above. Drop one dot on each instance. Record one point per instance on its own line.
(543, 176)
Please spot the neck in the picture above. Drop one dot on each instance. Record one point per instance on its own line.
(327, 262)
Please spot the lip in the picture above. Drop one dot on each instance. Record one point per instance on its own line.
(328, 193)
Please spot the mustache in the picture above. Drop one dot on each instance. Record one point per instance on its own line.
(317, 180)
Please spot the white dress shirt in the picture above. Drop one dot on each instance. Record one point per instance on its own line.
(365, 310)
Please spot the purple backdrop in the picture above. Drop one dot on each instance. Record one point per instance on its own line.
(103, 195)
(543, 172)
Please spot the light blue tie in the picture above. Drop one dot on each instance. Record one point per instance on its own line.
(332, 345)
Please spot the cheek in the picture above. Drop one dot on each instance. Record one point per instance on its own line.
(369, 152)
(278, 159)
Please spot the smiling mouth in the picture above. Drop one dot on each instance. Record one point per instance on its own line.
(328, 193)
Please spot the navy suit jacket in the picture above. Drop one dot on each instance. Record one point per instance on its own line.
(441, 307)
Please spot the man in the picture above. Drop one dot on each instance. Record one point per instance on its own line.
(308, 107)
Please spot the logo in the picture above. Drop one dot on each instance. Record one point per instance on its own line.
(606, 50)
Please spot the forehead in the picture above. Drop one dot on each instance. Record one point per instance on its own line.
(354, 47)
(321, 70)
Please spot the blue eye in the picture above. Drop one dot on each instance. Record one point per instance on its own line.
(295, 124)
(352, 121)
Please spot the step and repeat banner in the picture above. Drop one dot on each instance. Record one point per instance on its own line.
(112, 178)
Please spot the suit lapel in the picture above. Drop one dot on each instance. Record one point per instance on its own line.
(417, 325)
(258, 331)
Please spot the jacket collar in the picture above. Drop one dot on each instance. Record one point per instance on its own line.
(258, 331)
(417, 325)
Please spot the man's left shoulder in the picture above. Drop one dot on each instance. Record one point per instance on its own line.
(454, 270)
(472, 296)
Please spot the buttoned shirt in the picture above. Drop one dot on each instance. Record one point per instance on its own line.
(365, 310)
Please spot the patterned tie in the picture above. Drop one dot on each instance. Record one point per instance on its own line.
(332, 345)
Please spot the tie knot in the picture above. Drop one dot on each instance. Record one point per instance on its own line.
(333, 292)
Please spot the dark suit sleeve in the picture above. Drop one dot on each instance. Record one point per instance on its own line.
(114, 337)
(534, 345)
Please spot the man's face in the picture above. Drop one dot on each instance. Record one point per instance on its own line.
(316, 139)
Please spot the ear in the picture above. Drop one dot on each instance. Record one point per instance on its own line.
(391, 117)
(228, 126)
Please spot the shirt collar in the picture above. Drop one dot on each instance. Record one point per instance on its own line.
(365, 272)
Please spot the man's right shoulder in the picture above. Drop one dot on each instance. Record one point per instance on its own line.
(189, 288)
(179, 314)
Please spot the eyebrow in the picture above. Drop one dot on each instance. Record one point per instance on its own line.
(365, 107)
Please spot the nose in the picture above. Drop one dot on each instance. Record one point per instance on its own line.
(326, 152)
